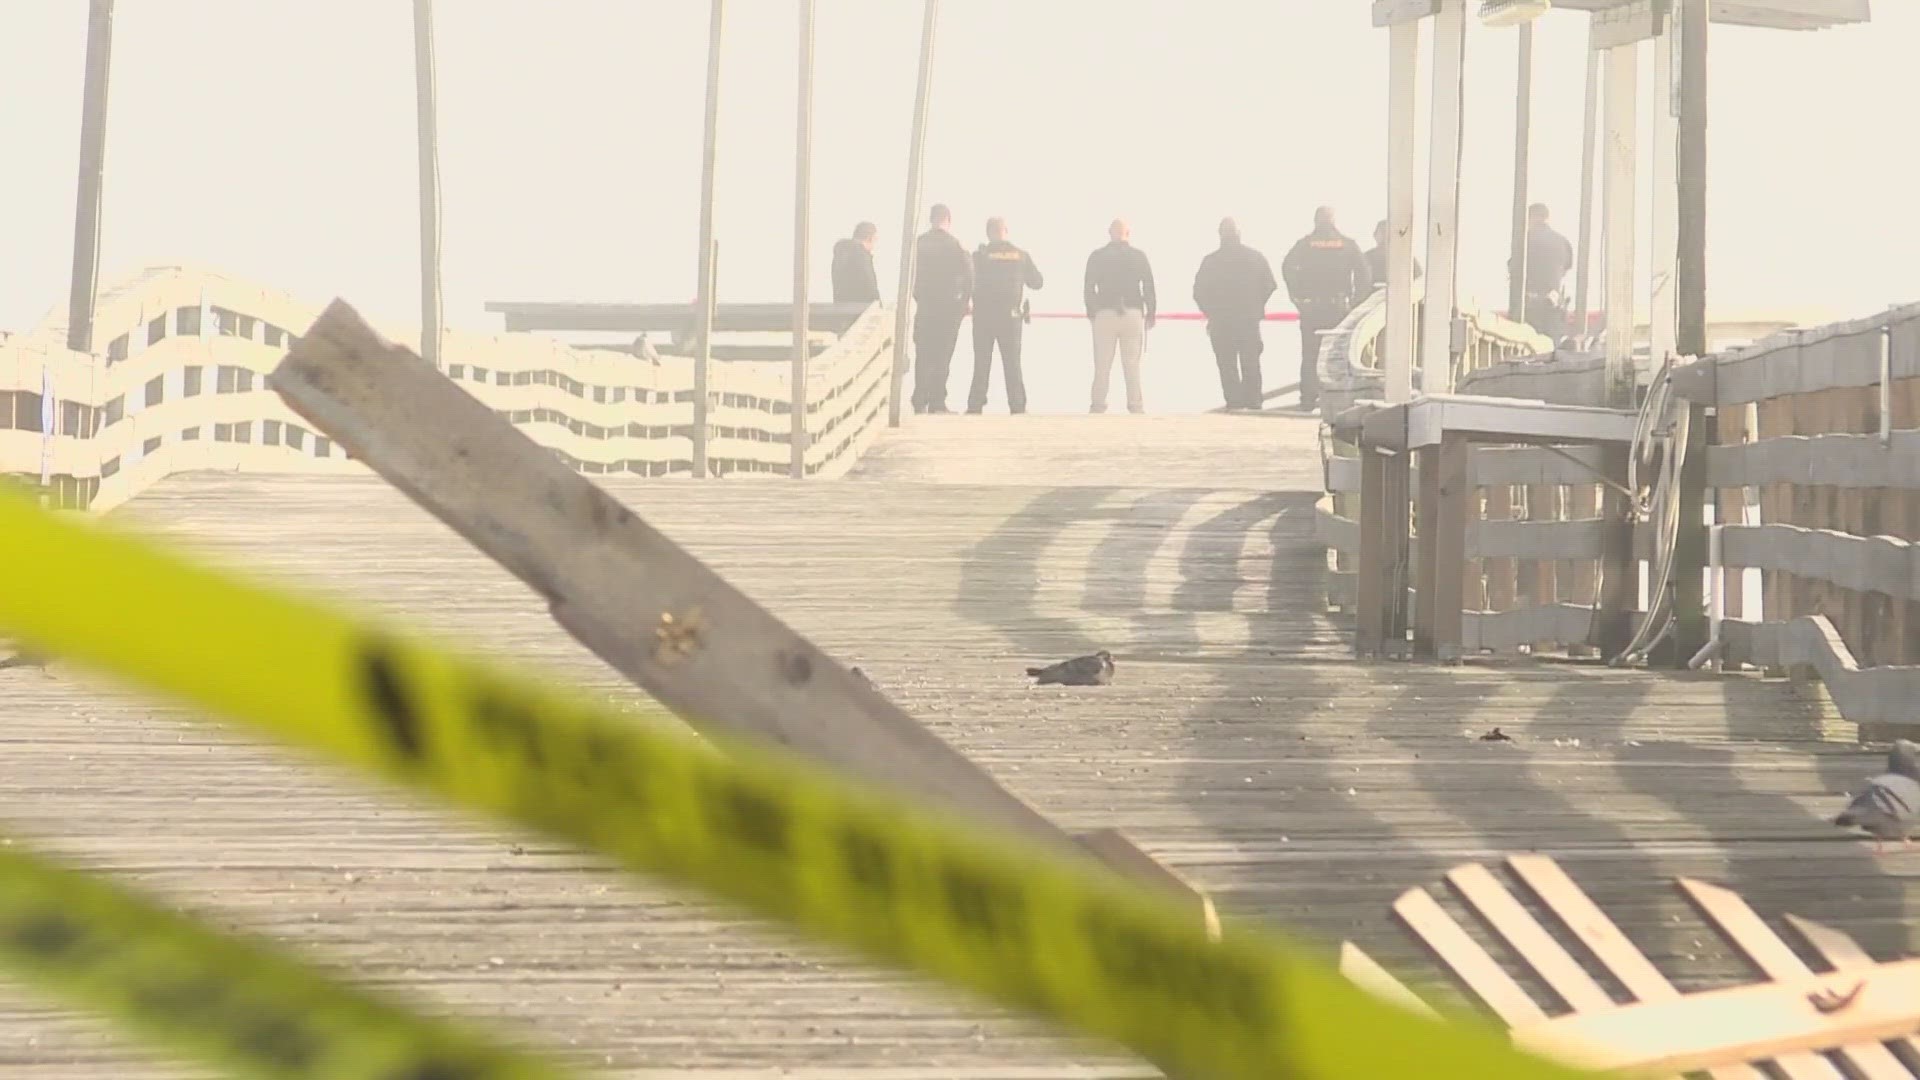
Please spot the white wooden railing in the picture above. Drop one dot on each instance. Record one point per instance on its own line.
(178, 385)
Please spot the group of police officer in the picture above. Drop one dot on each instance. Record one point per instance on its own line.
(1326, 275)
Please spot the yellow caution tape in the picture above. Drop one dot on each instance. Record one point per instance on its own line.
(237, 1005)
(987, 911)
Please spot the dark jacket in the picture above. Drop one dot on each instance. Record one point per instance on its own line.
(1377, 267)
(1549, 257)
(1120, 279)
(1001, 275)
(1325, 269)
(942, 273)
(1234, 284)
(853, 278)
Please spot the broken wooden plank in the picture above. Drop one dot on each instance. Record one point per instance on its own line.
(1842, 953)
(1466, 959)
(1603, 938)
(1753, 937)
(1743, 1023)
(622, 588)
(1524, 934)
(1366, 973)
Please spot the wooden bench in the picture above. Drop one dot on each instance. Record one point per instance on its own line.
(1859, 1018)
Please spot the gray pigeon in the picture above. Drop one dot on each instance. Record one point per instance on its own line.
(24, 658)
(1889, 809)
(1904, 759)
(1095, 670)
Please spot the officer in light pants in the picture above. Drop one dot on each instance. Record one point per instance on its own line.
(1122, 307)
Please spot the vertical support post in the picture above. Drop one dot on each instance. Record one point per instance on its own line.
(1619, 593)
(1522, 150)
(916, 161)
(1403, 67)
(1445, 493)
(1661, 319)
(1685, 312)
(1371, 578)
(92, 180)
(427, 130)
(1583, 270)
(1885, 347)
(1691, 241)
(1426, 569)
(709, 277)
(802, 242)
(1443, 198)
(1385, 545)
(1457, 501)
(1623, 71)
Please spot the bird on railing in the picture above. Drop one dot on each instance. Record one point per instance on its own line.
(1094, 670)
(644, 349)
(1889, 808)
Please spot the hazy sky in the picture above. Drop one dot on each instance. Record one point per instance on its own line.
(273, 139)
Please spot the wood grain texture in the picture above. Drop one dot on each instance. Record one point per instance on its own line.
(1241, 744)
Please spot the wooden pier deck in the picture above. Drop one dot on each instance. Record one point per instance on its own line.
(1241, 743)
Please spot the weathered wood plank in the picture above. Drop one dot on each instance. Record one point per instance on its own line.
(1772, 1021)
(1840, 460)
(1366, 973)
(1842, 953)
(1525, 935)
(1465, 958)
(1836, 356)
(1737, 920)
(1879, 699)
(1883, 564)
(1603, 938)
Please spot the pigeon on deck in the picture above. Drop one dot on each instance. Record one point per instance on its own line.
(1889, 808)
(1095, 670)
(24, 658)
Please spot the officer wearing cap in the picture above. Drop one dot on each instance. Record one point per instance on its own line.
(1325, 274)
(1001, 275)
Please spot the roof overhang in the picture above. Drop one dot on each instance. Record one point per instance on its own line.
(1625, 14)
(1767, 14)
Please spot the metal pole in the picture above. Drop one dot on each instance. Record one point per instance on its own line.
(1583, 272)
(1623, 86)
(704, 305)
(1403, 73)
(802, 240)
(916, 158)
(87, 193)
(1666, 202)
(428, 126)
(1443, 197)
(1691, 269)
(1522, 151)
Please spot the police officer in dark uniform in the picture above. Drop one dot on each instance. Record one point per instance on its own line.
(1549, 257)
(1231, 290)
(942, 289)
(1001, 275)
(1325, 273)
